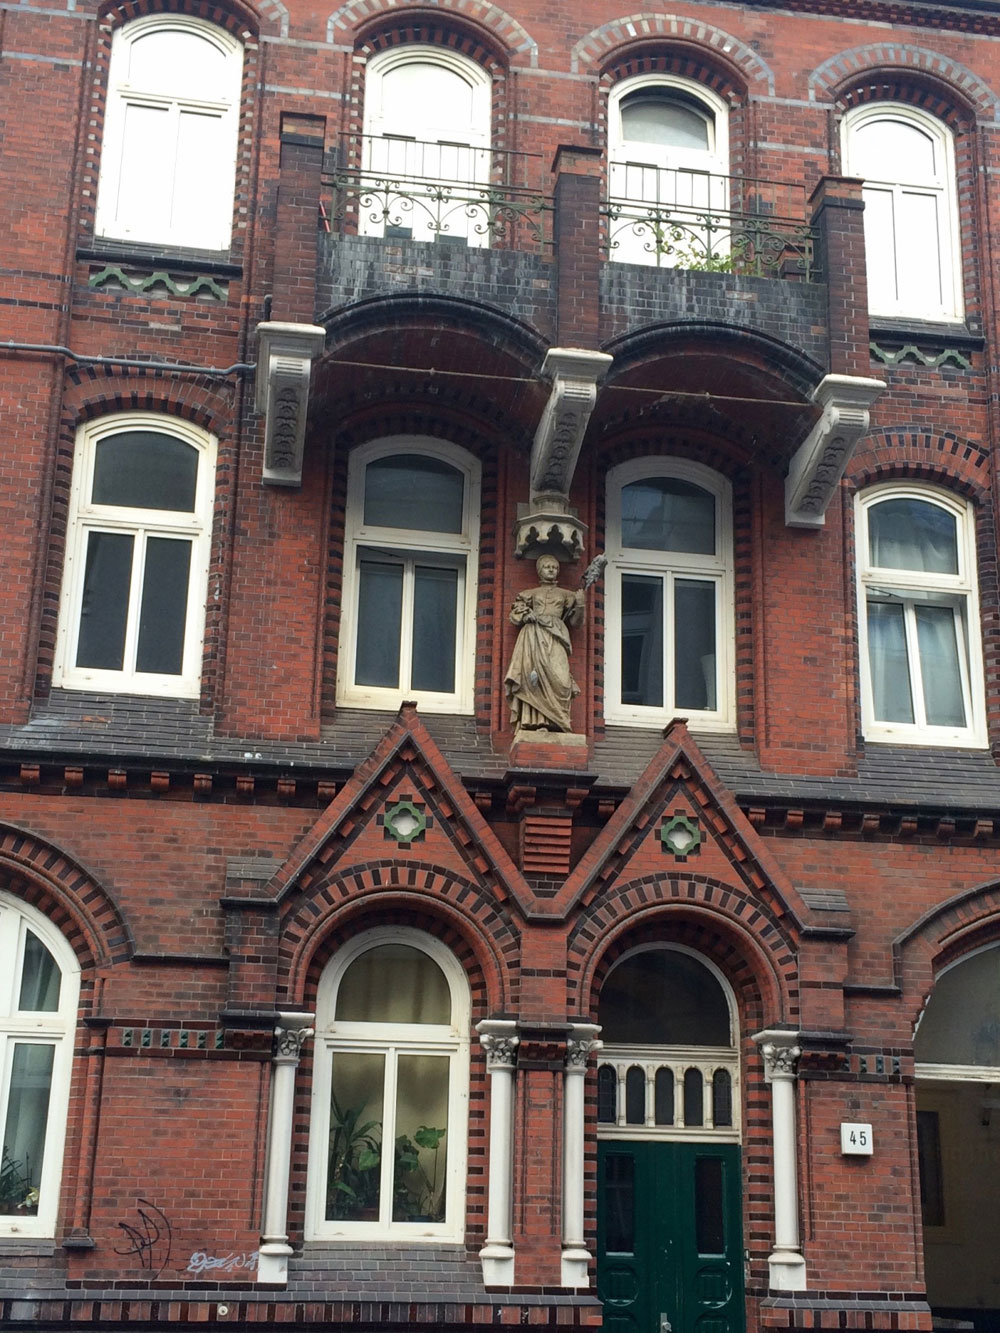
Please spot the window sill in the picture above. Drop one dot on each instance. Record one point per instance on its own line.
(177, 258)
(926, 740)
(956, 332)
(37, 1246)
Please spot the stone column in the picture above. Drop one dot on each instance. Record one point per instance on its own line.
(289, 1038)
(582, 1039)
(781, 1051)
(499, 1040)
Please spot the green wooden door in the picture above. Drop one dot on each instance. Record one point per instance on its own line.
(669, 1240)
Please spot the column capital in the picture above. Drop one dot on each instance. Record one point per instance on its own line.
(498, 1038)
(780, 1050)
(290, 1035)
(581, 1040)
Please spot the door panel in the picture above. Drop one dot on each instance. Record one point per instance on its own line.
(669, 1237)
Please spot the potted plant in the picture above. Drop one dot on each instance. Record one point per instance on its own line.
(355, 1162)
(418, 1196)
(17, 1194)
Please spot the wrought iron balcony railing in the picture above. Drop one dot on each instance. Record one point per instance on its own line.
(405, 188)
(685, 219)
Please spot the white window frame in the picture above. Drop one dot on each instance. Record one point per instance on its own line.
(55, 1029)
(450, 1040)
(955, 590)
(454, 550)
(213, 229)
(671, 565)
(86, 517)
(463, 160)
(944, 190)
(644, 174)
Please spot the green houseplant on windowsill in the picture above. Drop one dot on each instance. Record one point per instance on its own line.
(418, 1196)
(355, 1162)
(17, 1195)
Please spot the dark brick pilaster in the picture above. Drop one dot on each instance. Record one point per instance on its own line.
(838, 216)
(296, 231)
(577, 245)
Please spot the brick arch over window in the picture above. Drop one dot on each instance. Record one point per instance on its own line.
(911, 452)
(697, 907)
(967, 921)
(704, 47)
(403, 893)
(501, 31)
(914, 74)
(67, 894)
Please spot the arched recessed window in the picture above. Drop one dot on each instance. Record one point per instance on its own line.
(426, 153)
(668, 155)
(669, 1065)
(168, 161)
(922, 678)
(410, 575)
(132, 615)
(669, 594)
(39, 990)
(912, 241)
(390, 1094)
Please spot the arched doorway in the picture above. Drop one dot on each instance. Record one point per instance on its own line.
(957, 1049)
(669, 1195)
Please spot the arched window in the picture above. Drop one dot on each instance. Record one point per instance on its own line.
(907, 161)
(132, 615)
(669, 594)
(427, 145)
(668, 1066)
(168, 161)
(922, 679)
(39, 989)
(392, 1070)
(410, 575)
(668, 156)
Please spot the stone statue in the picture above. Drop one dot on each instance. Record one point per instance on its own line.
(538, 683)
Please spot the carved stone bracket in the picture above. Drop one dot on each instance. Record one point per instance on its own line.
(821, 459)
(547, 523)
(780, 1051)
(284, 364)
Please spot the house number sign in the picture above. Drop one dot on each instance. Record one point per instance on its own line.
(856, 1140)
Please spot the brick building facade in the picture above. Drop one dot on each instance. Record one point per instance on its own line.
(357, 967)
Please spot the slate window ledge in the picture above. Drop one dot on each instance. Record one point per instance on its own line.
(216, 262)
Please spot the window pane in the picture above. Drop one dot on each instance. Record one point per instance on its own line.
(420, 95)
(709, 1213)
(667, 514)
(421, 1155)
(662, 997)
(642, 640)
(145, 470)
(104, 613)
(357, 1094)
(722, 1099)
(394, 983)
(661, 120)
(913, 534)
(880, 248)
(163, 612)
(892, 698)
(145, 171)
(694, 1104)
(435, 611)
(893, 150)
(664, 1096)
(937, 637)
(619, 1203)
(415, 492)
(201, 207)
(694, 648)
(40, 977)
(607, 1095)
(177, 62)
(918, 250)
(961, 1024)
(24, 1130)
(380, 602)
(929, 1163)
(635, 1096)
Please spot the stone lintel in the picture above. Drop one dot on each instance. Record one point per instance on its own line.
(820, 461)
(284, 365)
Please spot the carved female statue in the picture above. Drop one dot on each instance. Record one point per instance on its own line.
(538, 683)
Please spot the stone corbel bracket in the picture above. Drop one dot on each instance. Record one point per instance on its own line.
(821, 459)
(284, 364)
(547, 521)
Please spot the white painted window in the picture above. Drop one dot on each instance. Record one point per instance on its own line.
(426, 155)
(132, 616)
(912, 239)
(921, 665)
(669, 645)
(168, 160)
(392, 1071)
(668, 164)
(39, 989)
(410, 575)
